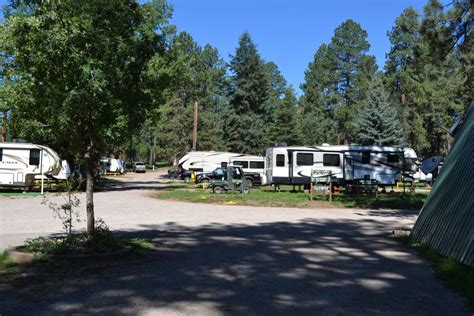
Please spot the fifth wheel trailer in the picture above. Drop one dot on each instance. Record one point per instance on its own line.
(348, 163)
(21, 164)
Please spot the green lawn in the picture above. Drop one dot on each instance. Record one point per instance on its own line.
(16, 194)
(265, 196)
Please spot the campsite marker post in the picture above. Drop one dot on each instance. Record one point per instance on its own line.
(42, 172)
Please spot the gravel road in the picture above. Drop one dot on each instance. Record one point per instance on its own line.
(217, 260)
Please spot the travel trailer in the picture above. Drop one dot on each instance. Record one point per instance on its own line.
(207, 161)
(111, 165)
(347, 164)
(21, 164)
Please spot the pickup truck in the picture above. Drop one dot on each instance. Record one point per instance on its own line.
(139, 167)
(253, 178)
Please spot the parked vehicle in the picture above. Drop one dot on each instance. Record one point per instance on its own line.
(348, 164)
(111, 165)
(220, 173)
(139, 167)
(21, 164)
(207, 161)
(233, 180)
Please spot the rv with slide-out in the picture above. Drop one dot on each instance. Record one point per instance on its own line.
(347, 164)
(21, 164)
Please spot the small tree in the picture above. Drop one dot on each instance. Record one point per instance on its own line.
(377, 122)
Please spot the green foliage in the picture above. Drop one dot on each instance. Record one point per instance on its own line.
(256, 88)
(65, 212)
(336, 84)
(5, 260)
(426, 76)
(286, 127)
(377, 122)
(78, 70)
(195, 75)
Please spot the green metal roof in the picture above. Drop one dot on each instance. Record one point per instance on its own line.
(446, 221)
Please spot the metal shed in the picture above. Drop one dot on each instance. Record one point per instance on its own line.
(446, 221)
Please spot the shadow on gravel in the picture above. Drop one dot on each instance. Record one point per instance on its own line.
(308, 267)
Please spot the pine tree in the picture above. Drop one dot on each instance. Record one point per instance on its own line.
(286, 127)
(404, 37)
(315, 104)
(353, 71)
(336, 83)
(377, 122)
(438, 82)
(247, 125)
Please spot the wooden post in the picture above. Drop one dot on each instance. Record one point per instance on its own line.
(4, 126)
(330, 188)
(195, 125)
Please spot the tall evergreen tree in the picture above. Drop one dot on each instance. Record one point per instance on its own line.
(353, 71)
(377, 121)
(286, 127)
(436, 94)
(336, 83)
(196, 75)
(316, 114)
(404, 38)
(247, 126)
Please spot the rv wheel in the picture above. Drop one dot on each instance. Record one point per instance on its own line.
(217, 189)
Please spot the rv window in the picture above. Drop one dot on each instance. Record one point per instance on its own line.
(1, 154)
(35, 157)
(366, 157)
(304, 159)
(280, 161)
(257, 165)
(393, 158)
(244, 164)
(331, 160)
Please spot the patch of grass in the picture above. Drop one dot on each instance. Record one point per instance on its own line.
(17, 194)
(265, 196)
(454, 275)
(81, 244)
(140, 244)
(5, 261)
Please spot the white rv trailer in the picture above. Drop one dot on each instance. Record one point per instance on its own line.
(111, 165)
(21, 164)
(250, 163)
(348, 163)
(207, 161)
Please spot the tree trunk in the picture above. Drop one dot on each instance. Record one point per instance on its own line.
(4, 126)
(90, 170)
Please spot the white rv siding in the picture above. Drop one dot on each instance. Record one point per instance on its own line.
(18, 160)
(293, 165)
(255, 164)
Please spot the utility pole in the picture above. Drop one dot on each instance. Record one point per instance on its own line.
(195, 125)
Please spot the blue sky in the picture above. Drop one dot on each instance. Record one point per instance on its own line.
(287, 32)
